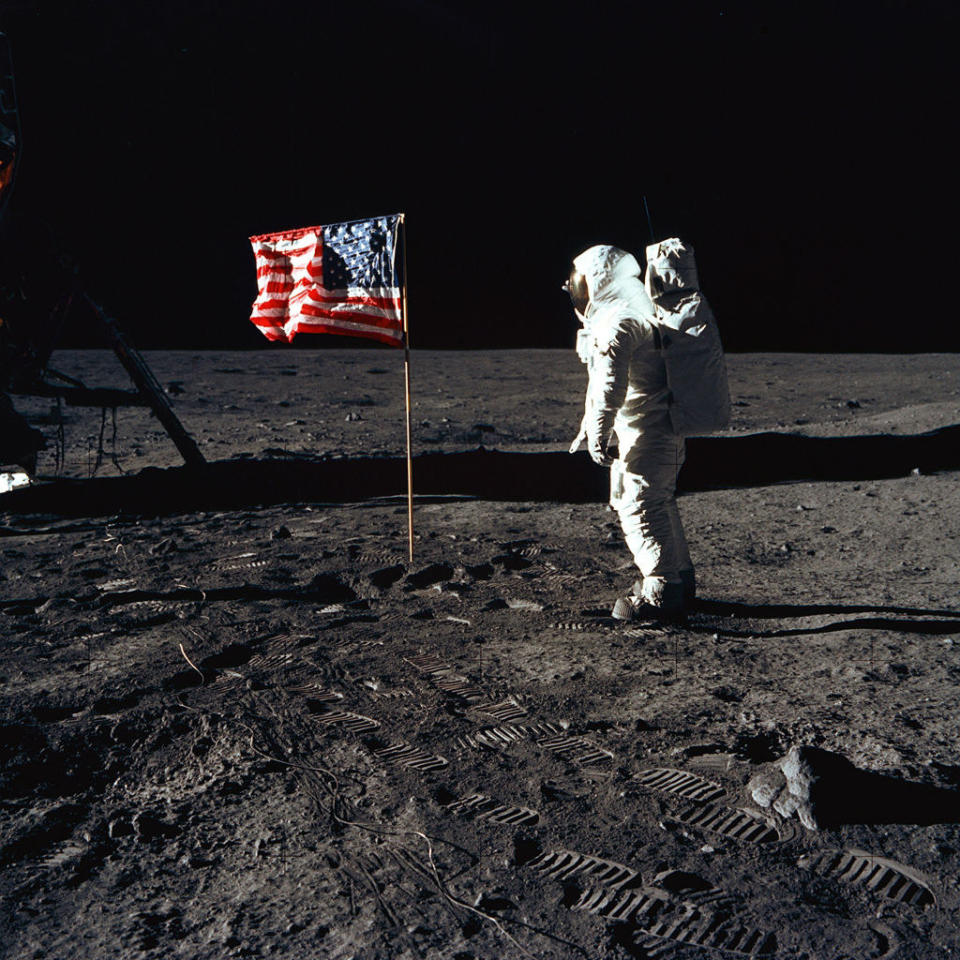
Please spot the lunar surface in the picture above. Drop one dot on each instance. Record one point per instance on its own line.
(263, 731)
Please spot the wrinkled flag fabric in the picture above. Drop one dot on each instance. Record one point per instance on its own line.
(339, 278)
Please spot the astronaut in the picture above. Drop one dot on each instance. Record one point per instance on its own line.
(634, 337)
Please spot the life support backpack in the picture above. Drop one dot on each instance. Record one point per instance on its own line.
(689, 341)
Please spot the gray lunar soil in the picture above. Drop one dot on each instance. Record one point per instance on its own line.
(266, 733)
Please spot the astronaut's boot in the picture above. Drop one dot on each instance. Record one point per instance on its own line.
(687, 577)
(656, 599)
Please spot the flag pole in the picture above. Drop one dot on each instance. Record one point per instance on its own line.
(406, 381)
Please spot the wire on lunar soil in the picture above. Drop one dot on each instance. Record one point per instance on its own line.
(388, 911)
(203, 679)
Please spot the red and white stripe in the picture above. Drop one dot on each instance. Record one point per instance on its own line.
(292, 298)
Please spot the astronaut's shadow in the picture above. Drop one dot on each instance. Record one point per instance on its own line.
(891, 618)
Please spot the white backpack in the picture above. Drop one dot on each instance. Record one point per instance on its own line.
(689, 340)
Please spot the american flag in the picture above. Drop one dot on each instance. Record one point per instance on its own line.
(339, 278)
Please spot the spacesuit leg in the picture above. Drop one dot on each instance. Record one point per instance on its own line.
(685, 564)
(687, 575)
(645, 499)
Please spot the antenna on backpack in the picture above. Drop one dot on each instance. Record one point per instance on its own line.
(646, 208)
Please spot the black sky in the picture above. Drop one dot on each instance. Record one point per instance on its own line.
(804, 149)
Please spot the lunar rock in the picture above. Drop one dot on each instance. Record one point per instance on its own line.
(825, 790)
(812, 784)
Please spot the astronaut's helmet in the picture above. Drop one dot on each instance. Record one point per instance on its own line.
(576, 287)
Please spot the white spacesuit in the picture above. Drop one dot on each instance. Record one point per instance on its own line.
(626, 342)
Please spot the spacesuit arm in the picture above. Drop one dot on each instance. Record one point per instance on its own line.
(582, 432)
(607, 390)
(584, 345)
(581, 435)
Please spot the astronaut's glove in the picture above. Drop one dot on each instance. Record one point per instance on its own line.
(597, 449)
(581, 436)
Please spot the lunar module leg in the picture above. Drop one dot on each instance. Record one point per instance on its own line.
(151, 391)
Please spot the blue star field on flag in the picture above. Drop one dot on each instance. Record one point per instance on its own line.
(360, 254)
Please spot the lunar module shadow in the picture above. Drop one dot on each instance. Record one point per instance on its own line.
(712, 463)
